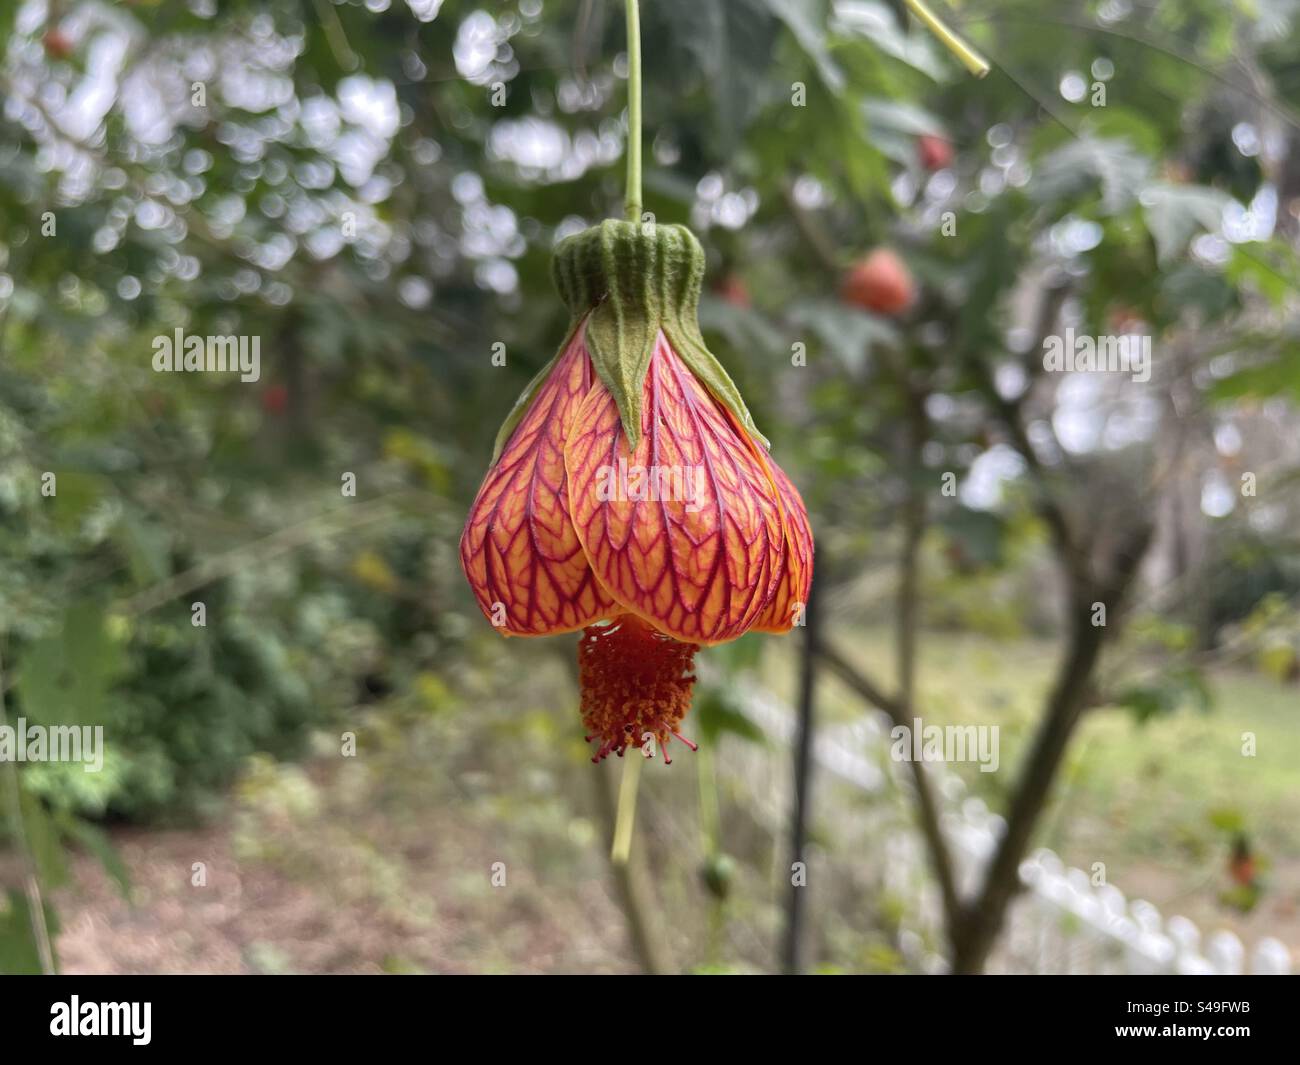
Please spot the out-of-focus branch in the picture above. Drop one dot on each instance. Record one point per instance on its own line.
(793, 950)
(927, 806)
(18, 831)
(633, 893)
(629, 879)
(819, 243)
(900, 707)
(914, 518)
(909, 564)
(1069, 698)
(290, 538)
(1011, 415)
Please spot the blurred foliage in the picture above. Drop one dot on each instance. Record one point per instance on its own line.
(346, 189)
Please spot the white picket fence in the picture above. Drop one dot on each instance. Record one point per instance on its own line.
(1061, 923)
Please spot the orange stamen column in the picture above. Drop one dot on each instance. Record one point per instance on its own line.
(636, 686)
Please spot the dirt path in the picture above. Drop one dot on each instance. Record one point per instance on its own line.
(245, 919)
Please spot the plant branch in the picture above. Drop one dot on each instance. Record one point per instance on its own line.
(927, 806)
(31, 879)
(793, 951)
(1011, 414)
(1065, 706)
(819, 243)
(629, 882)
(633, 894)
(909, 564)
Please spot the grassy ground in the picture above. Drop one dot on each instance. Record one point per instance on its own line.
(1148, 800)
(467, 834)
(383, 862)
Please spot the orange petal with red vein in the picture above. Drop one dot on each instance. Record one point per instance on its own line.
(787, 606)
(694, 544)
(519, 548)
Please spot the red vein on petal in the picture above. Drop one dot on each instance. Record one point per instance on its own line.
(519, 548)
(675, 367)
(796, 580)
(642, 550)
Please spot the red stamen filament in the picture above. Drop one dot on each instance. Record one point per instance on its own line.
(636, 686)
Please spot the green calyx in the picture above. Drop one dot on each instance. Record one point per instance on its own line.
(633, 280)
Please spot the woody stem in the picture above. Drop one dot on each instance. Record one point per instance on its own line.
(632, 200)
(626, 806)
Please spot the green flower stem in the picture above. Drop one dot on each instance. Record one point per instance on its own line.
(632, 201)
(710, 822)
(971, 59)
(626, 816)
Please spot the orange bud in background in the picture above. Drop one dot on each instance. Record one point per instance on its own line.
(275, 399)
(934, 152)
(881, 283)
(58, 45)
(733, 290)
(1124, 318)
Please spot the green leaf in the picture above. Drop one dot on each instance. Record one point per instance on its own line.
(1070, 170)
(1227, 819)
(1192, 286)
(901, 116)
(729, 43)
(146, 546)
(894, 125)
(1276, 373)
(848, 333)
(1271, 269)
(1176, 213)
(716, 713)
(1167, 694)
(745, 329)
(19, 954)
(75, 495)
(97, 842)
(805, 19)
(65, 678)
(43, 840)
(879, 24)
(1122, 123)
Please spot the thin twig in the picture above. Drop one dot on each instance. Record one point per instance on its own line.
(222, 565)
(629, 880)
(793, 951)
(927, 805)
(1010, 413)
(633, 892)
